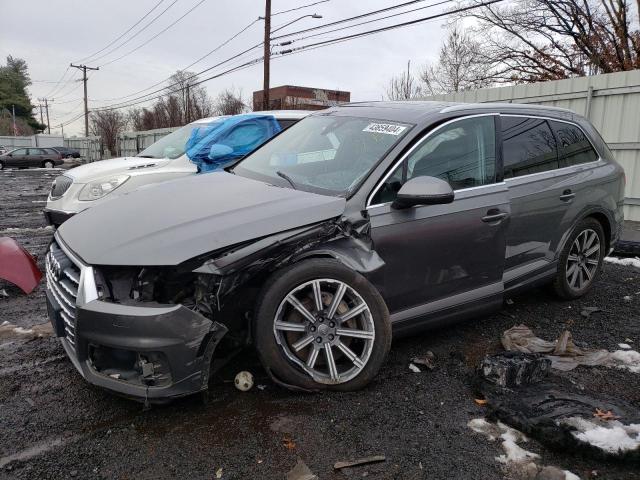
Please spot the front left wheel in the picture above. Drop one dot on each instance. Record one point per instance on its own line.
(320, 325)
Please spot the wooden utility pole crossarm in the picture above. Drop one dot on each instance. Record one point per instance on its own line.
(84, 69)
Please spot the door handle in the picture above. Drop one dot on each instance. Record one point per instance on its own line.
(494, 216)
(567, 195)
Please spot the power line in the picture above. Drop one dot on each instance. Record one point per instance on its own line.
(299, 8)
(344, 20)
(118, 38)
(307, 47)
(389, 27)
(58, 82)
(210, 52)
(156, 35)
(443, 2)
(136, 34)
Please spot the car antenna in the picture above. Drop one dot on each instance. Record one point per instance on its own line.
(287, 178)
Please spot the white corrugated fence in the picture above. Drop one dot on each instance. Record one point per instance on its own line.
(610, 101)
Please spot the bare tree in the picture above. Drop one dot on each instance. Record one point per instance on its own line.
(537, 40)
(191, 99)
(107, 125)
(461, 65)
(404, 86)
(228, 102)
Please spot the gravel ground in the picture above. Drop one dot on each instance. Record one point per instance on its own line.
(55, 425)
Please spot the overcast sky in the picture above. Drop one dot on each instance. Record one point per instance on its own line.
(51, 34)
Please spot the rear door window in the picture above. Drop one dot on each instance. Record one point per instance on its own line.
(528, 146)
(573, 146)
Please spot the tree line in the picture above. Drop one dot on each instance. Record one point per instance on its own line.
(525, 41)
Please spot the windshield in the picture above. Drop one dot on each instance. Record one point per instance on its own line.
(323, 154)
(173, 145)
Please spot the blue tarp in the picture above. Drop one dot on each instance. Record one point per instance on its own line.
(231, 138)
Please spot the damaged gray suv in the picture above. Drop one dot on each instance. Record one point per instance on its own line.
(356, 222)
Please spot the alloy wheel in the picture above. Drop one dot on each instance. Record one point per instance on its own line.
(583, 259)
(326, 328)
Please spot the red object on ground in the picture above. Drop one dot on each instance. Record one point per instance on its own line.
(18, 266)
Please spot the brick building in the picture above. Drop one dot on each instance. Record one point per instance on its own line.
(290, 97)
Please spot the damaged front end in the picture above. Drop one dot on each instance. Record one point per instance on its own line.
(155, 333)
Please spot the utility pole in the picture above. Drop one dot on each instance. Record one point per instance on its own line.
(267, 54)
(46, 107)
(13, 116)
(41, 120)
(187, 105)
(84, 69)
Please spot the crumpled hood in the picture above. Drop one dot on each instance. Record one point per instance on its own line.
(114, 166)
(169, 223)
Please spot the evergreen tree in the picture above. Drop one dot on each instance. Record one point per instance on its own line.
(14, 80)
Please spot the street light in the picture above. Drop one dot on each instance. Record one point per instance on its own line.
(315, 15)
(267, 48)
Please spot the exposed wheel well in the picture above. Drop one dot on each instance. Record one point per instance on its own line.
(606, 226)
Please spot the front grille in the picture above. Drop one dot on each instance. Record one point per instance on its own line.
(63, 280)
(60, 185)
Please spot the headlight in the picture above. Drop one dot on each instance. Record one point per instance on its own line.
(100, 188)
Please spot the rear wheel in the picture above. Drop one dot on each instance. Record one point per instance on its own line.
(320, 325)
(581, 260)
(1, 165)
(48, 164)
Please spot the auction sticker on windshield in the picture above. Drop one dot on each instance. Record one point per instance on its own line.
(388, 128)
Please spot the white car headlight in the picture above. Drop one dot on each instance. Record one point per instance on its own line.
(99, 188)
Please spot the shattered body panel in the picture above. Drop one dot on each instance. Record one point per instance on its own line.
(185, 339)
(18, 266)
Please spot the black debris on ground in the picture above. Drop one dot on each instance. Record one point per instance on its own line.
(54, 425)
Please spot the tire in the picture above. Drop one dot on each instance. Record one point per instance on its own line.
(1, 166)
(48, 164)
(353, 368)
(569, 283)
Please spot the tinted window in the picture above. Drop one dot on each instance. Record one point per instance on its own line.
(20, 151)
(36, 151)
(574, 147)
(463, 153)
(528, 146)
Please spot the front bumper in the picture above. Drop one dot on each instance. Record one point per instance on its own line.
(146, 353)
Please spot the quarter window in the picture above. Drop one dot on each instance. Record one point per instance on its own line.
(463, 153)
(528, 146)
(574, 147)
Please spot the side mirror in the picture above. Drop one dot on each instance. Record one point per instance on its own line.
(423, 191)
(218, 150)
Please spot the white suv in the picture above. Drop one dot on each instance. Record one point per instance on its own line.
(186, 151)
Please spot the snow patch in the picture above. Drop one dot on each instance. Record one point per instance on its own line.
(612, 436)
(515, 459)
(626, 359)
(624, 346)
(48, 228)
(627, 262)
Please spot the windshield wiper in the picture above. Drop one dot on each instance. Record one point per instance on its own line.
(145, 156)
(287, 178)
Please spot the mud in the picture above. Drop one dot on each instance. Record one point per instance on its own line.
(54, 425)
